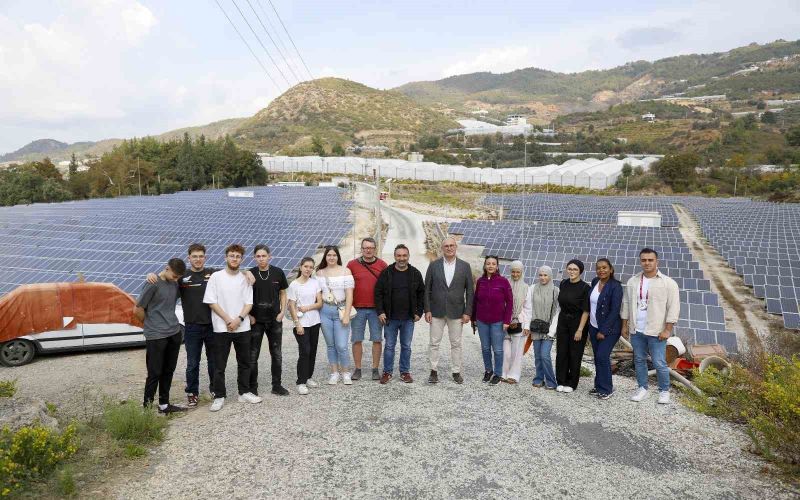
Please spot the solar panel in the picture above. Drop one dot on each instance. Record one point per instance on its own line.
(120, 240)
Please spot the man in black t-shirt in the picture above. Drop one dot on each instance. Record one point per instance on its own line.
(269, 307)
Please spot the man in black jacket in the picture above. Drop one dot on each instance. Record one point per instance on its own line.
(399, 300)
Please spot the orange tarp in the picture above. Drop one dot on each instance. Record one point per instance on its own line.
(38, 308)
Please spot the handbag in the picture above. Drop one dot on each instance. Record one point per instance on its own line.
(514, 328)
(541, 326)
(341, 306)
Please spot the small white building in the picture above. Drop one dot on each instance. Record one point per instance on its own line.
(649, 117)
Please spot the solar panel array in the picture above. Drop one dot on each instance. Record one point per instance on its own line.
(121, 240)
(760, 241)
(577, 208)
(537, 243)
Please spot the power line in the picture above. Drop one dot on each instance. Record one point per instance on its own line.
(258, 39)
(248, 47)
(290, 39)
(280, 52)
(277, 33)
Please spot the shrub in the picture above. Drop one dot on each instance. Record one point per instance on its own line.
(8, 388)
(66, 483)
(32, 452)
(768, 403)
(132, 423)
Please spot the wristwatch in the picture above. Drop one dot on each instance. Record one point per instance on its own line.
(241, 318)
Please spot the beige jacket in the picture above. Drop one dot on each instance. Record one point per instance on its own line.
(663, 306)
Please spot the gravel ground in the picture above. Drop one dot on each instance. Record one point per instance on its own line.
(447, 441)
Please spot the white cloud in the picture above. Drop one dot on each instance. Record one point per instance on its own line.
(137, 21)
(497, 60)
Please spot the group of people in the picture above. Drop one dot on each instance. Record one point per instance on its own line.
(235, 307)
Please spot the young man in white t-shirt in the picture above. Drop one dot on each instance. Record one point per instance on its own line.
(230, 298)
(650, 309)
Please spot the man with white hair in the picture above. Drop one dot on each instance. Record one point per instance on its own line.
(449, 290)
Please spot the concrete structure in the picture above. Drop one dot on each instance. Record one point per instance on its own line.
(639, 218)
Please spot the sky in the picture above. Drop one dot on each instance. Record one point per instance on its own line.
(86, 70)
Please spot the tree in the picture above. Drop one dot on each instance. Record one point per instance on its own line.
(627, 170)
(337, 150)
(677, 170)
(761, 105)
(317, 147)
(769, 117)
(73, 165)
(793, 136)
(519, 143)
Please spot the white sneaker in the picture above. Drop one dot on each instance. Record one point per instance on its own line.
(560, 388)
(663, 397)
(249, 397)
(302, 389)
(333, 379)
(217, 404)
(346, 378)
(640, 394)
(312, 383)
(566, 388)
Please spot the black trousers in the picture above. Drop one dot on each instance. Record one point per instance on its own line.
(222, 349)
(568, 352)
(307, 352)
(274, 332)
(161, 357)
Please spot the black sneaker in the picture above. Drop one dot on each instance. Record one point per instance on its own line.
(356, 374)
(601, 395)
(434, 377)
(495, 380)
(376, 374)
(593, 391)
(172, 409)
(280, 390)
(458, 378)
(487, 376)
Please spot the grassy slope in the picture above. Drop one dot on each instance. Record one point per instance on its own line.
(336, 110)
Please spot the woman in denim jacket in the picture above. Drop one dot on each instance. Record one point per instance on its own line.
(605, 325)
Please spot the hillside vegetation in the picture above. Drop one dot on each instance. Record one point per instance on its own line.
(530, 88)
(338, 112)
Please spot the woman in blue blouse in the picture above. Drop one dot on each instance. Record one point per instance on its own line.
(605, 325)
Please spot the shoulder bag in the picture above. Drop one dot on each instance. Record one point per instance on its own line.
(540, 325)
(341, 306)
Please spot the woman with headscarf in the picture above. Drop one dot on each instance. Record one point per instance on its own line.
(539, 319)
(573, 322)
(514, 341)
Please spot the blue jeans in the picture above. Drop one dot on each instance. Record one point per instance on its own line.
(358, 325)
(337, 337)
(194, 338)
(405, 328)
(544, 363)
(492, 335)
(658, 354)
(602, 360)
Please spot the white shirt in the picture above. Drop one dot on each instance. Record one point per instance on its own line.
(231, 292)
(593, 298)
(449, 270)
(336, 284)
(642, 299)
(305, 294)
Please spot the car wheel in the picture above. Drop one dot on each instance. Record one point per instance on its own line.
(17, 352)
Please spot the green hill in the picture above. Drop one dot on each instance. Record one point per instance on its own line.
(339, 112)
(546, 94)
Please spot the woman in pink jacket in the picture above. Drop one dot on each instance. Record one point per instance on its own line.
(491, 310)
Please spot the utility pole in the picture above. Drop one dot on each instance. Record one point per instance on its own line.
(377, 199)
(735, 182)
(138, 170)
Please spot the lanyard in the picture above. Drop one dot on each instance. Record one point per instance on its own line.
(647, 295)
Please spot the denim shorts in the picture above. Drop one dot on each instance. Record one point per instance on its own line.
(358, 325)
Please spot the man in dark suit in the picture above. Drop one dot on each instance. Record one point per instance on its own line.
(448, 300)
